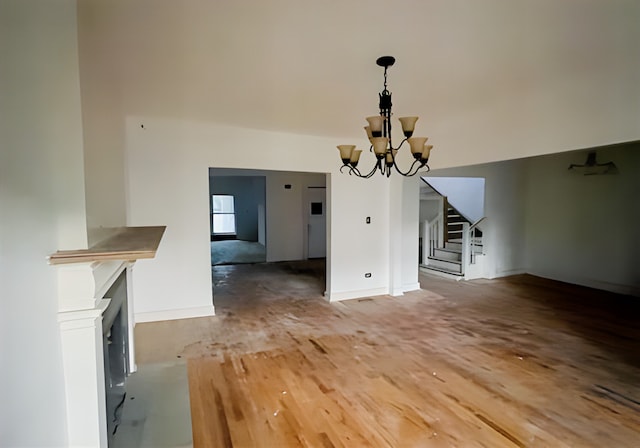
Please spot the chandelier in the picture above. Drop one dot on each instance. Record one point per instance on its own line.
(379, 133)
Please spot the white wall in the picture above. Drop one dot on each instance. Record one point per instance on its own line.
(42, 209)
(103, 125)
(286, 212)
(168, 170)
(584, 229)
(430, 208)
(410, 227)
(284, 217)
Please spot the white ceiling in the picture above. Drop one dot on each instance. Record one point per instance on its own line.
(309, 67)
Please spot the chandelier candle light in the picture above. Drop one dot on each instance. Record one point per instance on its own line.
(379, 133)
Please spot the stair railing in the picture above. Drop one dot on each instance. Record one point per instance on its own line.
(436, 234)
(472, 241)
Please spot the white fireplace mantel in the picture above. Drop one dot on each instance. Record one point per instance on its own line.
(84, 277)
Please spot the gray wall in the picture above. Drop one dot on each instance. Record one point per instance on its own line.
(429, 209)
(584, 229)
(249, 193)
(547, 221)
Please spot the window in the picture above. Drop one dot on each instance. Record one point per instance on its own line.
(223, 214)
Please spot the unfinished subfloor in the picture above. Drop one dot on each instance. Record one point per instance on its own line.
(520, 361)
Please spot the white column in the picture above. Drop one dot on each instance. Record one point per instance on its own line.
(131, 320)
(82, 354)
(395, 234)
(426, 241)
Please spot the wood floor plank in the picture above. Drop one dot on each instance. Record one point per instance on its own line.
(515, 362)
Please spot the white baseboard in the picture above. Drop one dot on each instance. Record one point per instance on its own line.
(508, 273)
(182, 313)
(411, 287)
(348, 295)
(591, 283)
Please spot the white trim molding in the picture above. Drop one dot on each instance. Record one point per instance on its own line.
(81, 304)
(182, 313)
(358, 294)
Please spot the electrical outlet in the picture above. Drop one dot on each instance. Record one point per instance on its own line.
(367, 275)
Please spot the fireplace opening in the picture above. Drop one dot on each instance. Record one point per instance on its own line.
(115, 333)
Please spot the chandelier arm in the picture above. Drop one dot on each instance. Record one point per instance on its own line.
(401, 143)
(408, 171)
(379, 166)
(352, 170)
(411, 171)
(422, 165)
(369, 174)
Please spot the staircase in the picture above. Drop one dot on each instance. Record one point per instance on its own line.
(446, 255)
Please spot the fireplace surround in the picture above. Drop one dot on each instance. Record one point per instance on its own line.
(95, 317)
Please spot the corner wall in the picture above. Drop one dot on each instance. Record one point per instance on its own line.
(103, 126)
(584, 229)
(42, 209)
(547, 221)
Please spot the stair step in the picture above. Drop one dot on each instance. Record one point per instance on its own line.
(448, 254)
(453, 245)
(440, 272)
(447, 265)
(457, 246)
(476, 241)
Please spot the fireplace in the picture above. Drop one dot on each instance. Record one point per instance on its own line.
(95, 316)
(115, 343)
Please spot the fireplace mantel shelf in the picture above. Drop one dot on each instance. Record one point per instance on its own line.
(128, 243)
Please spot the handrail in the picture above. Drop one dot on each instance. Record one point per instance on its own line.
(474, 225)
(470, 240)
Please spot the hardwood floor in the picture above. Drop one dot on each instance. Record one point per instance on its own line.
(520, 362)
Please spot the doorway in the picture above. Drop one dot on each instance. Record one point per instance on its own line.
(289, 220)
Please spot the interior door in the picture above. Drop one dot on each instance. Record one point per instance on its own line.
(317, 222)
